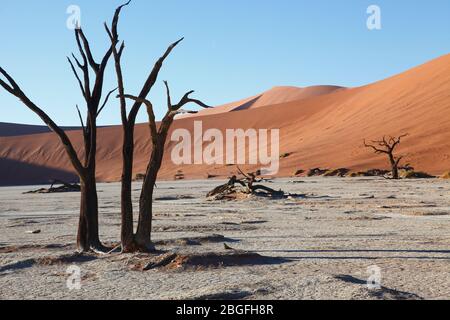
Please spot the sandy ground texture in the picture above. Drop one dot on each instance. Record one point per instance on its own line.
(323, 245)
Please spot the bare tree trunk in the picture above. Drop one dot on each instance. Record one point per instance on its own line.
(144, 231)
(127, 231)
(88, 235)
(394, 167)
(159, 137)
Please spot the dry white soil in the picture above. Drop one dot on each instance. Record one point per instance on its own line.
(321, 245)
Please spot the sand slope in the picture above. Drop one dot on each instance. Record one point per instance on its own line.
(276, 95)
(320, 126)
(14, 129)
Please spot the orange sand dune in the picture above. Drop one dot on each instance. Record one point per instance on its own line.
(276, 95)
(325, 128)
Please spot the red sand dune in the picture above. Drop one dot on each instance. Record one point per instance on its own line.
(276, 95)
(321, 127)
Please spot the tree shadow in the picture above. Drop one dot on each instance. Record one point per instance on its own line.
(383, 293)
(211, 260)
(48, 261)
(196, 241)
(19, 265)
(360, 250)
(34, 247)
(227, 295)
(350, 279)
(364, 251)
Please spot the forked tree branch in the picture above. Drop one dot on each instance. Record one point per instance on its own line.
(150, 112)
(106, 101)
(184, 100)
(94, 97)
(81, 121)
(15, 90)
(151, 80)
(376, 150)
(87, 49)
(389, 144)
(77, 77)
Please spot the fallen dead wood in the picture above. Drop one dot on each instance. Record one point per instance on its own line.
(245, 187)
(160, 261)
(65, 187)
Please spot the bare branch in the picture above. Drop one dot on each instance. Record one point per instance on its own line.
(186, 99)
(87, 49)
(169, 99)
(77, 77)
(106, 101)
(12, 88)
(115, 21)
(81, 121)
(151, 80)
(122, 47)
(84, 67)
(118, 67)
(375, 148)
(399, 139)
(7, 87)
(80, 48)
(15, 90)
(241, 172)
(77, 61)
(150, 112)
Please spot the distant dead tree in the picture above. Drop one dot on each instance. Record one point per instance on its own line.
(141, 240)
(387, 146)
(88, 235)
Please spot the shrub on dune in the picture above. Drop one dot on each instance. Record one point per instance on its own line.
(446, 175)
(415, 175)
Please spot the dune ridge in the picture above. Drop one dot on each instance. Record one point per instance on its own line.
(319, 127)
(15, 130)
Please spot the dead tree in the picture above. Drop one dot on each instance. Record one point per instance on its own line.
(65, 187)
(158, 135)
(141, 240)
(246, 186)
(387, 146)
(85, 166)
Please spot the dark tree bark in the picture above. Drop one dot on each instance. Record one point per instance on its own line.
(141, 240)
(387, 146)
(88, 233)
(159, 135)
(128, 125)
(159, 138)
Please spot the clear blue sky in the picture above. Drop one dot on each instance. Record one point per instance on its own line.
(233, 48)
